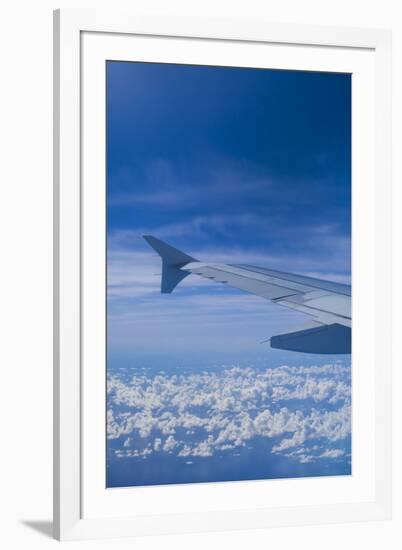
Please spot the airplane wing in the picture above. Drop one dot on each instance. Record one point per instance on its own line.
(326, 303)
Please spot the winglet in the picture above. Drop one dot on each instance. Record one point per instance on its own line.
(172, 262)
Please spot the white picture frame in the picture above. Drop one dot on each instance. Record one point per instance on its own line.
(83, 508)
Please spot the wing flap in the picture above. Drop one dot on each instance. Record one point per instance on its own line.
(320, 305)
(242, 281)
(311, 283)
(325, 306)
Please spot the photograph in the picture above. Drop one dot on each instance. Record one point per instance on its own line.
(228, 259)
(198, 198)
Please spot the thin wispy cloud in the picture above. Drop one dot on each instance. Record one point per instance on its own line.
(164, 184)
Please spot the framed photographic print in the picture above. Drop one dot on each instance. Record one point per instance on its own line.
(222, 206)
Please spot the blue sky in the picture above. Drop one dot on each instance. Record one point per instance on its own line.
(208, 141)
(238, 166)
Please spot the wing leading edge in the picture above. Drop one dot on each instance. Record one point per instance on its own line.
(328, 304)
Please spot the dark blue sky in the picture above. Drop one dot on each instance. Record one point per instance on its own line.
(281, 139)
(231, 164)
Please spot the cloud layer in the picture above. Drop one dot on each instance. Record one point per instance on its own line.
(303, 413)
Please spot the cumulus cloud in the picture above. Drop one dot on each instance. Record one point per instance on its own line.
(169, 444)
(311, 454)
(198, 415)
(332, 453)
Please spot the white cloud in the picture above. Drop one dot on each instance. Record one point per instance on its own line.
(332, 453)
(157, 444)
(224, 410)
(133, 453)
(170, 444)
(309, 454)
